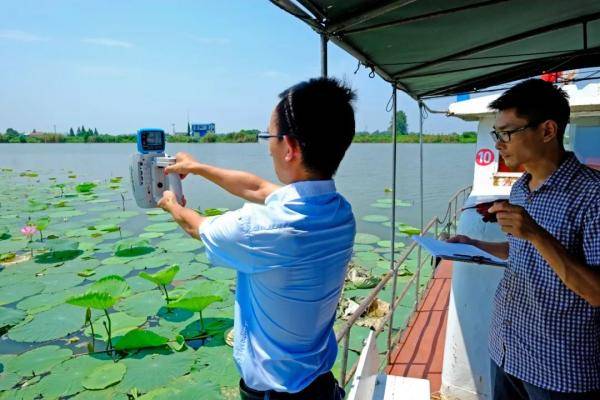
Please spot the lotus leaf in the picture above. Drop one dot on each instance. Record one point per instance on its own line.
(42, 302)
(139, 338)
(66, 214)
(133, 248)
(362, 247)
(19, 290)
(219, 273)
(161, 367)
(42, 223)
(114, 285)
(185, 388)
(121, 323)
(48, 325)
(191, 270)
(142, 304)
(375, 218)
(151, 235)
(38, 360)
(162, 227)
(7, 381)
(59, 282)
(103, 271)
(66, 379)
(163, 277)
(104, 376)
(408, 230)
(200, 296)
(181, 245)
(86, 272)
(388, 244)
(9, 317)
(95, 300)
(365, 238)
(85, 187)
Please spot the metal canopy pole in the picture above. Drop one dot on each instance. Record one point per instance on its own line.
(324, 40)
(393, 240)
(417, 279)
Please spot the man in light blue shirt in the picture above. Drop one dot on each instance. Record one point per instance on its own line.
(290, 245)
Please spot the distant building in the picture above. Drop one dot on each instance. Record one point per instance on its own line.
(200, 130)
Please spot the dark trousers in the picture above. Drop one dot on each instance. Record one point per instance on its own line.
(507, 387)
(324, 387)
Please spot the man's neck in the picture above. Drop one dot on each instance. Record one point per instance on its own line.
(543, 167)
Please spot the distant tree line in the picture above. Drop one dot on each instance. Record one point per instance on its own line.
(83, 135)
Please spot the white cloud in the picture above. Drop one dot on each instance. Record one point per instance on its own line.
(107, 42)
(21, 36)
(211, 41)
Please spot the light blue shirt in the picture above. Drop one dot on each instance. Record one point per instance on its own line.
(291, 256)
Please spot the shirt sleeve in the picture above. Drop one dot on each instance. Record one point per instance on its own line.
(231, 243)
(591, 235)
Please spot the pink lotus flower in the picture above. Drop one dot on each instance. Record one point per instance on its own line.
(29, 230)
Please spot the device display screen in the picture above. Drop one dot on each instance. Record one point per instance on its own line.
(153, 140)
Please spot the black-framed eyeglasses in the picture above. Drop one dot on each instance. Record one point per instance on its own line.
(504, 136)
(266, 135)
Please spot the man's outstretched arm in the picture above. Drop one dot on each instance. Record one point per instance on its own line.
(239, 183)
(187, 218)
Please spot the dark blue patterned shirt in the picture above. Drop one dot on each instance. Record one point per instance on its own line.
(542, 332)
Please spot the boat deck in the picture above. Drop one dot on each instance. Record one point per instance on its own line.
(420, 353)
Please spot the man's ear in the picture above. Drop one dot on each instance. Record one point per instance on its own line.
(293, 148)
(550, 130)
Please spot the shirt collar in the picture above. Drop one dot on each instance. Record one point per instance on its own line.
(561, 177)
(301, 189)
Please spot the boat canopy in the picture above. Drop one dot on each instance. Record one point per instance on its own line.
(440, 48)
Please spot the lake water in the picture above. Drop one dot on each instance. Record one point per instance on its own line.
(362, 178)
(363, 175)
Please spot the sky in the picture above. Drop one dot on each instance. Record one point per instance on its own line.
(122, 65)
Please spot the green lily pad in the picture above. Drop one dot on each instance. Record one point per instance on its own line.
(200, 296)
(150, 235)
(162, 367)
(163, 277)
(219, 273)
(9, 317)
(85, 187)
(375, 218)
(66, 379)
(388, 244)
(408, 230)
(186, 388)
(38, 360)
(59, 282)
(162, 227)
(19, 290)
(181, 245)
(66, 214)
(362, 247)
(365, 238)
(140, 338)
(133, 248)
(121, 323)
(142, 304)
(42, 302)
(104, 376)
(48, 325)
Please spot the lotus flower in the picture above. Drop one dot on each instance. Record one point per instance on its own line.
(29, 231)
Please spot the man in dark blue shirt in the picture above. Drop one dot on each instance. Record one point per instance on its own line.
(545, 331)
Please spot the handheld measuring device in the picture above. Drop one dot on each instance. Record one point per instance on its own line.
(147, 166)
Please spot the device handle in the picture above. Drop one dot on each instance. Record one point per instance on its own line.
(174, 179)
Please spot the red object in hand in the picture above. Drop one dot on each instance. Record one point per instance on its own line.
(482, 209)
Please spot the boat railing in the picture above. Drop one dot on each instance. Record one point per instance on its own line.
(442, 227)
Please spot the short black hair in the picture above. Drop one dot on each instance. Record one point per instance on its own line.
(537, 101)
(318, 113)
